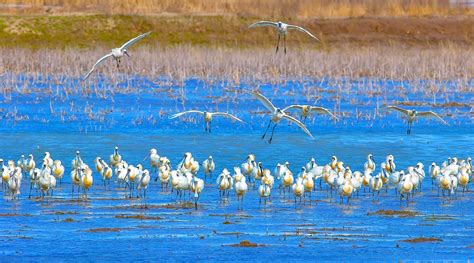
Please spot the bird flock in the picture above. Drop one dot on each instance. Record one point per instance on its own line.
(187, 179)
(277, 113)
(337, 178)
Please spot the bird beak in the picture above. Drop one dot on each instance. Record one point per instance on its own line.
(126, 53)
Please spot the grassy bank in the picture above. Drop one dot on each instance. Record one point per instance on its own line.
(89, 31)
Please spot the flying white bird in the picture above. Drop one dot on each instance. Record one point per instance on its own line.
(306, 110)
(413, 114)
(116, 53)
(207, 117)
(282, 30)
(277, 115)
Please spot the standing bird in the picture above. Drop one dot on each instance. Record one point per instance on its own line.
(115, 158)
(240, 185)
(207, 117)
(306, 110)
(116, 53)
(225, 183)
(30, 163)
(282, 30)
(14, 182)
(277, 115)
(58, 170)
(369, 166)
(209, 167)
(154, 161)
(413, 114)
(143, 180)
(22, 163)
(196, 187)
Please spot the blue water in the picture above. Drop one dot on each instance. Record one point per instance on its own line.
(133, 115)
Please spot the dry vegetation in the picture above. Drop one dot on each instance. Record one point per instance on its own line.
(266, 8)
(253, 65)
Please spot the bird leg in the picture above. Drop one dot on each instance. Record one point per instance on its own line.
(118, 63)
(273, 130)
(268, 126)
(278, 44)
(209, 128)
(284, 42)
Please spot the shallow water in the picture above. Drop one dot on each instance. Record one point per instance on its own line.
(101, 228)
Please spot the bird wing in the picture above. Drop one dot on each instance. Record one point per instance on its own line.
(264, 101)
(431, 114)
(293, 107)
(134, 40)
(322, 110)
(297, 122)
(224, 114)
(263, 23)
(398, 109)
(302, 30)
(185, 112)
(96, 64)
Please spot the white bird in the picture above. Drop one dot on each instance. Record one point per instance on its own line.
(30, 163)
(181, 182)
(282, 30)
(197, 185)
(240, 184)
(47, 182)
(413, 114)
(209, 166)
(116, 53)
(115, 158)
(370, 164)
(164, 173)
(154, 161)
(434, 171)
(106, 173)
(277, 115)
(23, 163)
(306, 110)
(142, 182)
(286, 177)
(298, 188)
(264, 189)
(58, 170)
(34, 179)
(405, 186)
(224, 182)
(48, 160)
(248, 166)
(77, 162)
(14, 182)
(376, 184)
(311, 164)
(207, 117)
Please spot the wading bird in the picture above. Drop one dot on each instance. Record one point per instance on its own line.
(277, 115)
(209, 167)
(282, 30)
(306, 110)
(413, 114)
(116, 53)
(207, 117)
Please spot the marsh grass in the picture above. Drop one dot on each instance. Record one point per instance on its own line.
(438, 63)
